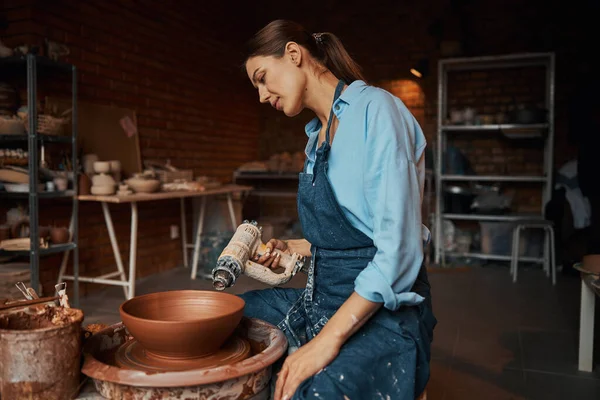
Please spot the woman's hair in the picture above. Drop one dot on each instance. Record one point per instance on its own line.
(325, 47)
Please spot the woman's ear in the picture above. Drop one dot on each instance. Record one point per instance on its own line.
(293, 53)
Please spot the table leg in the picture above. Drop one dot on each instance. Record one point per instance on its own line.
(234, 222)
(586, 328)
(198, 238)
(183, 234)
(115, 245)
(133, 249)
(65, 259)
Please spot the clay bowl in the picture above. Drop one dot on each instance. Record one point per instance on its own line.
(101, 167)
(182, 323)
(140, 185)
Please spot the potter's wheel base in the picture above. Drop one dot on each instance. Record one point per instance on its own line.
(131, 355)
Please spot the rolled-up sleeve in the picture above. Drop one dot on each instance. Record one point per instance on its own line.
(393, 199)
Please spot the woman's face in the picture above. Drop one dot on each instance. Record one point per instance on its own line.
(280, 81)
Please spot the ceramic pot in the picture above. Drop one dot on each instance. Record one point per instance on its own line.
(88, 163)
(85, 184)
(59, 235)
(182, 323)
(103, 180)
(61, 183)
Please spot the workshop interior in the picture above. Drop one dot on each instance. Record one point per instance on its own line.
(147, 187)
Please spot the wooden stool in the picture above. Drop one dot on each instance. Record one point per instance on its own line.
(549, 256)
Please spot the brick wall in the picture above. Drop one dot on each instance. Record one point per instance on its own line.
(178, 68)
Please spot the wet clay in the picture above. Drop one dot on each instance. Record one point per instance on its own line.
(182, 323)
(132, 355)
(39, 318)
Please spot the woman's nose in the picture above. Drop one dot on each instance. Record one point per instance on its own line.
(263, 95)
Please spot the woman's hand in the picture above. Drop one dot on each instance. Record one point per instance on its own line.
(271, 258)
(307, 361)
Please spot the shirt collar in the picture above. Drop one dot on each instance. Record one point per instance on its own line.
(348, 95)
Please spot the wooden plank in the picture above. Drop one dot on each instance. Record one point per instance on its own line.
(139, 197)
(100, 133)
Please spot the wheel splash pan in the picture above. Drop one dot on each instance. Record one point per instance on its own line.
(241, 380)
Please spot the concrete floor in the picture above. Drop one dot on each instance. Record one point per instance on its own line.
(494, 340)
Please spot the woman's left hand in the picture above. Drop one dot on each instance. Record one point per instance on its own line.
(305, 362)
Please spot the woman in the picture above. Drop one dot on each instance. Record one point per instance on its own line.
(362, 328)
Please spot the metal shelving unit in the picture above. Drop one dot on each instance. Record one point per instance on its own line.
(30, 64)
(545, 131)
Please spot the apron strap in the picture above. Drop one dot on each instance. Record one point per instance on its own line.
(338, 91)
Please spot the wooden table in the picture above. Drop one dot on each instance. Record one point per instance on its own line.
(128, 283)
(586, 322)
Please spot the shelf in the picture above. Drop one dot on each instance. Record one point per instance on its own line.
(487, 217)
(496, 257)
(493, 127)
(493, 178)
(496, 62)
(52, 249)
(44, 62)
(41, 195)
(40, 136)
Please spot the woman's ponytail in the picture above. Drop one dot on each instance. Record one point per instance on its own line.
(325, 47)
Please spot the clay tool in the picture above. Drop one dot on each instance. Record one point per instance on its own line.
(23, 289)
(61, 290)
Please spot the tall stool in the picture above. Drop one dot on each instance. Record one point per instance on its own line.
(549, 254)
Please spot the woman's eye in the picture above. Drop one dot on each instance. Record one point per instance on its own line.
(262, 79)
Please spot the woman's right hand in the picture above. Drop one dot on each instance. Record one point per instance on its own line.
(271, 258)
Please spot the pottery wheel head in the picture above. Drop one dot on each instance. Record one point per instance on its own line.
(131, 355)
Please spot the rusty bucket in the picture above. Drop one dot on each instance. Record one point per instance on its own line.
(40, 350)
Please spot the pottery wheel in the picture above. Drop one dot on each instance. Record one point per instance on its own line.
(131, 355)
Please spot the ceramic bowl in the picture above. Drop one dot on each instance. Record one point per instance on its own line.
(101, 167)
(143, 185)
(182, 323)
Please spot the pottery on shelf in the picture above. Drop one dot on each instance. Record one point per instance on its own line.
(103, 184)
(182, 323)
(142, 185)
(59, 235)
(61, 183)
(85, 184)
(101, 167)
(103, 179)
(115, 169)
(102, 190)
(88, 163)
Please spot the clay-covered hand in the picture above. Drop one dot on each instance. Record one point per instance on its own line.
(307, 361)
(271, 258)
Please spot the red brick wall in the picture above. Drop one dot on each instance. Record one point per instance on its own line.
(178, 69)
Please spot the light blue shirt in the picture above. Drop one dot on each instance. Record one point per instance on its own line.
(377, 173)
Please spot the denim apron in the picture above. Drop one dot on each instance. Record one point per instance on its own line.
(389, 356)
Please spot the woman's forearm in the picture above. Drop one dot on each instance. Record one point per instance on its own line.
(348, 319)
